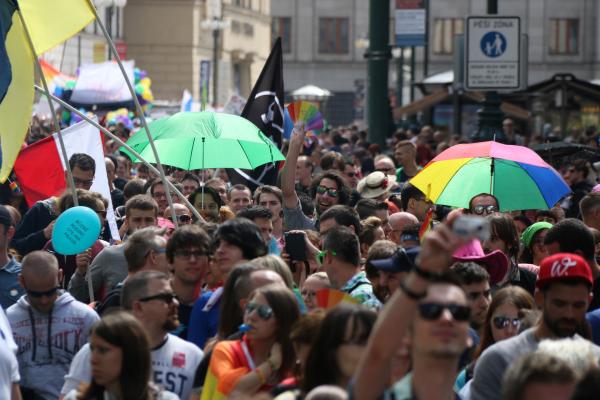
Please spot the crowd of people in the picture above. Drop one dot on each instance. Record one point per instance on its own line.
(322, 286)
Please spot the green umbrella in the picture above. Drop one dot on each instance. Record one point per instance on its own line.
(199, 140)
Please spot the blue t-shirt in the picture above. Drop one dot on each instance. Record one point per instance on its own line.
(10, 288)
(204, 319)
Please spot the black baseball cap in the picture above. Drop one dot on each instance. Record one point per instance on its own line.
(403, 260)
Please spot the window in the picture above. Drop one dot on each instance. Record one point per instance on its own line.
(564, 36)
(282, 27)
(444, 30)
(333, 36)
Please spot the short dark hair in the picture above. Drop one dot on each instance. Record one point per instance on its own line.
(206, 190)
(469, 273)
(255, 212)
(368, 228)
(344, 189)
(185, 237)
(150, 185)
(82, 161)
(572, 235)
(547, 213)
(410, 192)
(191, 177)
(133, 187)
(580, 165)
(138, 246)
(343, 215)
(238, 187)
(136, 287)
(141, 202)
(486, 195)
(244, 234)
(589, 203)
(344, 243)
(274, 190)
(368, 207)
(306, 203)
(332, 160)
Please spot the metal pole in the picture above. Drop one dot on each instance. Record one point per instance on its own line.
(122, 143)
(215, 34)
(138, 107)
(426, 46)
(63, 150)
(377, 79)
(412, 72)
(400, 78)
(490, 116)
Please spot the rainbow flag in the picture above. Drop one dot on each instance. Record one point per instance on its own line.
(329, 298)
(53, 76)
(228, 365)
(426, 226)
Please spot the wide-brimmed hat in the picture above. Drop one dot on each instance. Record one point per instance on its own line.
(375, 184)
(496, 263)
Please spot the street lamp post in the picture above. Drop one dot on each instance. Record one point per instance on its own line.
(216, 25)
(377, 80)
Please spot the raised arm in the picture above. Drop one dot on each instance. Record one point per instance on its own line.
(373, 372)
(288, 173)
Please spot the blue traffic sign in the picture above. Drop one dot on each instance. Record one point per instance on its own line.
(493, 44)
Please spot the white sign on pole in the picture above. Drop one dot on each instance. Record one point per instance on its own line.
(493, 53)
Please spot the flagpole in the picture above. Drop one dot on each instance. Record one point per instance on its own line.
(63, 150)
(122, 143)
(159, 166)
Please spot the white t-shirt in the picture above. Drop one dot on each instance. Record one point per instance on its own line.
(9, 367)
(174, 365)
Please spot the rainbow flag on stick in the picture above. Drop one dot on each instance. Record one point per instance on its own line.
(329, 298)
(426, 226)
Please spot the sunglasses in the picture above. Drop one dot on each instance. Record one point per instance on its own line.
(432, 311)
(504, 322)
(188, 254)
(184, 218)
(47, 293)
(167, 298)
(321, 255)
(331, 192)
(480, 210)
(264, 312)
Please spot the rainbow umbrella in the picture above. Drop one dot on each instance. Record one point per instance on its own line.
(516, 175)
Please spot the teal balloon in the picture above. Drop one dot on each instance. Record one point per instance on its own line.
(75, 230)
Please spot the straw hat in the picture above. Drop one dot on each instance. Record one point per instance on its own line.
(375, 185)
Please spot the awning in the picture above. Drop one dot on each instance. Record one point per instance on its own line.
(423, 103)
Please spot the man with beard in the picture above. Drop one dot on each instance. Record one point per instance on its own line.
(150, 298)
(328, 189)
(563, 293)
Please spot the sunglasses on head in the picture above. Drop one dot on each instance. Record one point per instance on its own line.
(264, 312)
(321, 255)
(504, 322)
(331, 192)
(433, 311)
(47, 293)
(480, 210)
(167, 298)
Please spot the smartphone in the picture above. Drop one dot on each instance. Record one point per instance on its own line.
(295, 246)
(472, 227)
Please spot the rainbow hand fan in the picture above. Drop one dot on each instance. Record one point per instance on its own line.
(308, 113)
(329, 298)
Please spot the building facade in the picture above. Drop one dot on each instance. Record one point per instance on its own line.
(323, 44)
(564, 36)
(172, 39)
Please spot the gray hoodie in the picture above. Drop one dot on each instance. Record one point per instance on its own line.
(66, 327)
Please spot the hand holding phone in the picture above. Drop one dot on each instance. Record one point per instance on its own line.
(295, 246)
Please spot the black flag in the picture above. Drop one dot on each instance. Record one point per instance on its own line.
(265, 110)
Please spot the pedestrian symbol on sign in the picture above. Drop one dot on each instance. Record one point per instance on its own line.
(493, 44)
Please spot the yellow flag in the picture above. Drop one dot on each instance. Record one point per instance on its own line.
(51, 22)
(15, 108)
